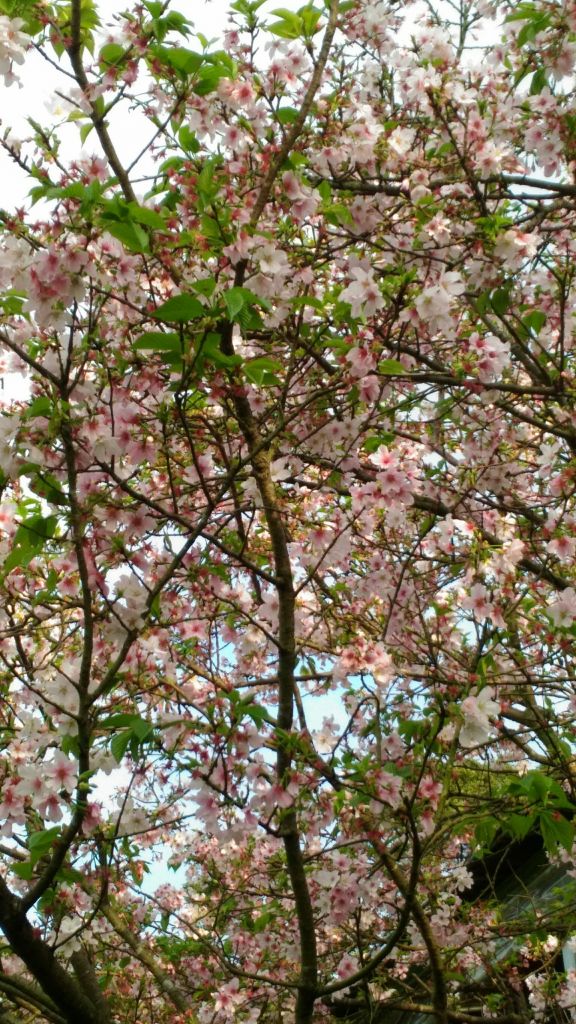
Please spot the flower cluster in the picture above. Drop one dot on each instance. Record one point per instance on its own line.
(13, 46)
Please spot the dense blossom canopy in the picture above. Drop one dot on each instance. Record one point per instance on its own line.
(288, 517)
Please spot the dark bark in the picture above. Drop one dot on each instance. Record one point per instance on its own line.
(65, 992)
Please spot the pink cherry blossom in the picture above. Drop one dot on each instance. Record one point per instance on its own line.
(363, 293)
(477, 711)
(13, 46)
(288, 515)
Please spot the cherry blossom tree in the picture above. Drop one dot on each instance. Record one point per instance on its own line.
(288, 517)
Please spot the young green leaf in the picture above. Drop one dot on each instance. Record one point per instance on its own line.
(180, 309)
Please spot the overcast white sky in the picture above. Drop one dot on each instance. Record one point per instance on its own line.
(38, 96)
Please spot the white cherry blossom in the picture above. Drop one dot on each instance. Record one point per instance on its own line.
(477, 711)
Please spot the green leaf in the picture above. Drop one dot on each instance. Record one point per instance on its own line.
(180, 309)
(143, 215)
(534, 321)
(207, 184)
(240, 305)
(285, 30)
(518, 825)
(299, 301)
(285, 13)
(40, 842)
(246, 7)
(258, 714)
(325, 191)
(85, 131)
(262, 922)
(521, 12)
(539, 82)
(46, 900)
(538, 23)
(48, 487)
(485, 832)
(209, 77)
(372, 444)
(132, 236)
(235, 299)
(177, 22)
(262, 370)
(25, 9)
(24, 870)
(119, 744)
(12, 303)
(141, 728)
(188, 140)
(205, 286)
(70, 745)
(184, 61)
(570, 122)
(156, 341)
(540, 789)
(556, 831)
(287, 115)
(310, 20)
(111, 53)
(500, 300)
(134, 723)
(123, 220)
(537, 785)
(154, 8)
(338, 213)
(74, 191)
(391, 366)
(212, 353)
(86, 195)
(118, 720)
(210, 228)
(29, 540)
(88, 20)
(174, 163)
(136, 731)
(41, 406)
(291, 25)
